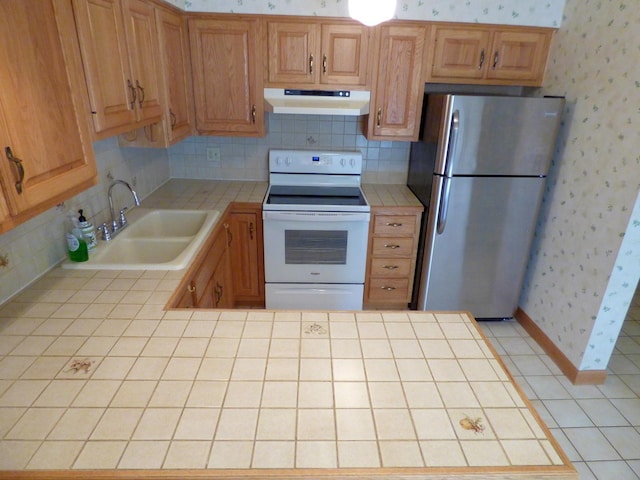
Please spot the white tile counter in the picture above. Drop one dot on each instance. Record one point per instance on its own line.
(96, 377)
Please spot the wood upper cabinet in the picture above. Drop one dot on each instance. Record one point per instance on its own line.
(175, 65)
(314, 53)
(46, 154)
(489, 55)
(247, 258)
(227, 78)
(119, 53)
(397, 104)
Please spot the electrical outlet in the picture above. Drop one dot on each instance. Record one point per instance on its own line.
(213, 154)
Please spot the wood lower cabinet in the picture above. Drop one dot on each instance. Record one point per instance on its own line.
(392, 256)
(208, 284)
(45, 143)
(229, 270)
(227, 76)
(316, 53)
(489, 55)
(247, 257)
(119, 53)
(399, 91)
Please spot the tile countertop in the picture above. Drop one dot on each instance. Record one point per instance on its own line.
(96, 376)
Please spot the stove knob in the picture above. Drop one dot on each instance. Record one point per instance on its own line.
(343, 162)
(353, 162)
(288, 161)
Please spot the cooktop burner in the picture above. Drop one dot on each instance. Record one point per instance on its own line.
(305, 195)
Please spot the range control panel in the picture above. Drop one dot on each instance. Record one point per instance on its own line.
(310, 161)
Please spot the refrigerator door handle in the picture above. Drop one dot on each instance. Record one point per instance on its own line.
(446, 181)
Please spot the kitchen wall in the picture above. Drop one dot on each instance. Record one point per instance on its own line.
(507, 12)
(246, 158)
(586, 258)
(37, 245)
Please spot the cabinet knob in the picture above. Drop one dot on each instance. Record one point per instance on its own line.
(379, 117)
(496, 57)
(174, 119)
(390, 267)
(253, 114)
(324, 64)
(392, 246)
(251, 230)
(310, 64)
(393, 224)
(388, 289)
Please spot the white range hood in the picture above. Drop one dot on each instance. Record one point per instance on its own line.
(317, 102)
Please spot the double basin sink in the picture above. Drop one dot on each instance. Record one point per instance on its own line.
(153, 240)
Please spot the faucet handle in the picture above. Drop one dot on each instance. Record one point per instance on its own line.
(106, 235)
(123, 219)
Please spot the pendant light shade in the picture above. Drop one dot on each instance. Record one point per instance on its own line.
(372, 12)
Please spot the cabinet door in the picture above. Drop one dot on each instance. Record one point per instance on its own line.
(142, 43)
(42, 121)
(293, 51)
(345, 54)
(519, 56)
(226, 76)
(459, 53)
(400, 83)
(176, 73)
(110, 83)
(246, 257)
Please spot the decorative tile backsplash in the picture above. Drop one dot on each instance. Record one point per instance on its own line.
(509, 12)
(586, 257)
(246, 158)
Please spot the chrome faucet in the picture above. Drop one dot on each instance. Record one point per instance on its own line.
(117, 225)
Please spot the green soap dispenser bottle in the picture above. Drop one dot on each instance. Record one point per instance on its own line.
(76, 246)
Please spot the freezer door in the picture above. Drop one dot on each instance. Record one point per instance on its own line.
(478, 261)
(502, 135)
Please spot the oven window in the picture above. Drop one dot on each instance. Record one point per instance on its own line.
(315, 247)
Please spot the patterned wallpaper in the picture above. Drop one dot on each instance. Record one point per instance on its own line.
(540, 13)
(586, 259)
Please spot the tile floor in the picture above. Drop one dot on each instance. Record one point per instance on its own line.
(597, 426)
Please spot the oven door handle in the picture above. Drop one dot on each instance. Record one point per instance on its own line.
(317, 216)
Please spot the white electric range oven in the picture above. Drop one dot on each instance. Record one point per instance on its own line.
(316, 229)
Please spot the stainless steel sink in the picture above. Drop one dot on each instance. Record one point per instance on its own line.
(153, 240)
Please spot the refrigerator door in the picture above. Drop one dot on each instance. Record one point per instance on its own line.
(500, 135)
(478, 261)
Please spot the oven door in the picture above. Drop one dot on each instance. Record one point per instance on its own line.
(315, 247)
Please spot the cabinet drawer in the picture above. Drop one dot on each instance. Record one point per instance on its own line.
(390, 267)
(388, 290)
(394, 225)
(393, 247)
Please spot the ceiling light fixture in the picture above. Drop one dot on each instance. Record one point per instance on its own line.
(372, 12)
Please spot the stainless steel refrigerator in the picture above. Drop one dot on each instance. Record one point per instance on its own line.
(480, 169)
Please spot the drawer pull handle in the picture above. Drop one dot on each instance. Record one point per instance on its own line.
(390, 267)
(191, 288)
(393, 224)
(393, 246)
(388, 289)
